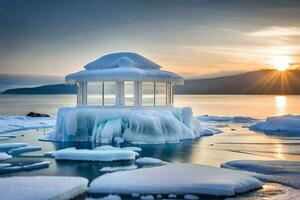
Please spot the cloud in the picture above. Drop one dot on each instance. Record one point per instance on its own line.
(276, 31)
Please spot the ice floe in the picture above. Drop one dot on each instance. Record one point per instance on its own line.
(118, 168)
(286, 125)
(139, 125)
(21, 150)
(42, 187)
(4, 138)
(8, 146)
(94, 155)
(176, 179)
(26, 167)
(149, 161)
(4, 156)
(235, 119)
(16, 123)
(278, 171)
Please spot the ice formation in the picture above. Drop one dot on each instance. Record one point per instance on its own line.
(21, 150)
(37, 187)
(27, 167)
(95, 155)
(118, 168)
(191, 197)
(176, 179)
(134, 125)
(4, 138)
(8, 146)
(284, 125)
(17, 123)
(4, 156)
(235, 119)
(148, 160)
(108, 197)
(279, 171)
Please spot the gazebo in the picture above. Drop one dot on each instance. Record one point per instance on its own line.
(124, 79)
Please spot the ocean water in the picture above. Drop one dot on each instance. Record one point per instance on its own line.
(235, 143)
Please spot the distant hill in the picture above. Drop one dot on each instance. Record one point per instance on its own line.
(46, 89)
(256, 82)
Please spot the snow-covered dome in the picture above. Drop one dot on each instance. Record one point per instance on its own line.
(124, 66)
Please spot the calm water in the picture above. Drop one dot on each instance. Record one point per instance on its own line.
(234, 144)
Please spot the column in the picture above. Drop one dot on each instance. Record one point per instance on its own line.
(79, 93)
(119, 93)
(84, 93)
(138, 92)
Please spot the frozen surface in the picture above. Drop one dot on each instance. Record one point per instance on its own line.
(148, 160)
(4, 156)
(191, 197)
(283, 125)
(16, 123)
(176, 179)
(279, 171)
(20, 150)
(27, 167)
(235, 119)
(134, 125)
(108, 197)
(118, 168)
(8, 146)
(94, 155)
(37, 187)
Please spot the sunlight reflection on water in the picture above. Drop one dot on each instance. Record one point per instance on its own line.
(281, 104)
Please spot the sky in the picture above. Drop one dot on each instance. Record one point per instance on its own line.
(52, 38)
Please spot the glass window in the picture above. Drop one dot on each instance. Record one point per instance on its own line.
(148, 94)
(109, 93)
(160, 94)
(94, 93)
(129, 93)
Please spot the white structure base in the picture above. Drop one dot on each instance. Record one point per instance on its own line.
(134, 125)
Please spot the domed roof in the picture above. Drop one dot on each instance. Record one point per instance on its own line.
(115, 59)
(124, 66)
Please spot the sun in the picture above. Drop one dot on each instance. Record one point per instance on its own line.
(281, 63)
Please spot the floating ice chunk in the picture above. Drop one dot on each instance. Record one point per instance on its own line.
(196, 179)
(105, 147)
(148, 160)
(16, 123)
(172, 196)
(4, 138)
(207, 130)
(7, 146)
(135, 195)
(286, 125)
(94, 155)
(4, 156)
(147, 197)
(50, 154)
(118, 168)
(278, 171)
(37, 187)
(27, 167)
(21, 150)
(190, 197)
(108, 197)
(3, 165)
(235, 119)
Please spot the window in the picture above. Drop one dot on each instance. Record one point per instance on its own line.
(109, 93)
(148, 94)
(129, 93)
(160, 94)
(94, 93)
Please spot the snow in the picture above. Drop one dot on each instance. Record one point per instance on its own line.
(279, 171)
(136, 149)
(17, 123)
(94, 155)
(118, 168)
(133, 125)
(108, 197)
(21, 150)
(288, 125)
(4, 156)
(148, 160)
(176, 179)
(235, 119)
(191, 197)
(37, 187)
(27, 167)
(7, 146)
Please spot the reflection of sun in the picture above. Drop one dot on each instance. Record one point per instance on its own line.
(281, 63)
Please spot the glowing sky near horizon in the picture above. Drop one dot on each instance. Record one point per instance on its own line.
(57, 37)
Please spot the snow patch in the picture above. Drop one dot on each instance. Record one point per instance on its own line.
(149, 161)
(37, 187)
(176, 179)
